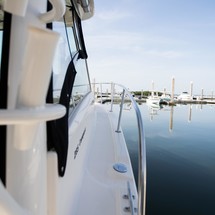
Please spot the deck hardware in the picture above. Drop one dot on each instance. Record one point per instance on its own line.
(128, 209)
(131, 198)
(125, 196)
(119, 167)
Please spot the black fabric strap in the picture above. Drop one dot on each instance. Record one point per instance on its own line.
(77, 21)
(58, 129)
(4, 90)
(81, 39)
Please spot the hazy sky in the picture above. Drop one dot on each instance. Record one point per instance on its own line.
(135, 42)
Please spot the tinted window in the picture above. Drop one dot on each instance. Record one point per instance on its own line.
(81, 85)
(62, 57)
(65, 53)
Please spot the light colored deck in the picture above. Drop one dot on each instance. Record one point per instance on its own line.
(102, 187)
(91, 185)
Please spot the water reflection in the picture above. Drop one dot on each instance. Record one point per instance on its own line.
(190, 113)
(171, 118)
(155, 111)
(180, 144)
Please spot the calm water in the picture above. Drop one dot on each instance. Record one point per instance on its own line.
(180, 144)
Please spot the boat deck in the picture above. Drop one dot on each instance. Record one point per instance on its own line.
(95, 187)
(102, 187)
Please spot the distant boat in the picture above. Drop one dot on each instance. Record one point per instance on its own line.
(153, 100)
(185, 96)
(165, 98)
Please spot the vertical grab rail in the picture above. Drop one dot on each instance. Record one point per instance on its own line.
(141, 148)
(120, 111)
(101, 92)
(112, 93)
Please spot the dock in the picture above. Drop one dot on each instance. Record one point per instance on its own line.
(143, 100)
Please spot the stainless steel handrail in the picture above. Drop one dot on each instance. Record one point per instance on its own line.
(141, 144)
(120, 112)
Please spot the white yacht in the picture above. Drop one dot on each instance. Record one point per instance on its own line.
(185, 96)
(153, 100)
(61, 152)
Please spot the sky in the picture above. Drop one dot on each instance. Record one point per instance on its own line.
(137, 42)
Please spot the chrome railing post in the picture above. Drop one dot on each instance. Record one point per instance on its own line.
(120, 112)
(94, 89)
(101, 92)
(112, 94)
(141, 168)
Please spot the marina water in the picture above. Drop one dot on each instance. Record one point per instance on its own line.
(180, 146)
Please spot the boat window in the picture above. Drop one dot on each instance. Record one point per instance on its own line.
(62, 57)
(71, 47)
(81, 85)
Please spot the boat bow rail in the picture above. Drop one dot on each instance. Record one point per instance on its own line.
(141, 138)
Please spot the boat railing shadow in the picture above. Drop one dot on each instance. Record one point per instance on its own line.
(141, 138)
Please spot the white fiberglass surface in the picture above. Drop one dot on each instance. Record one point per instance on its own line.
(96, 188)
